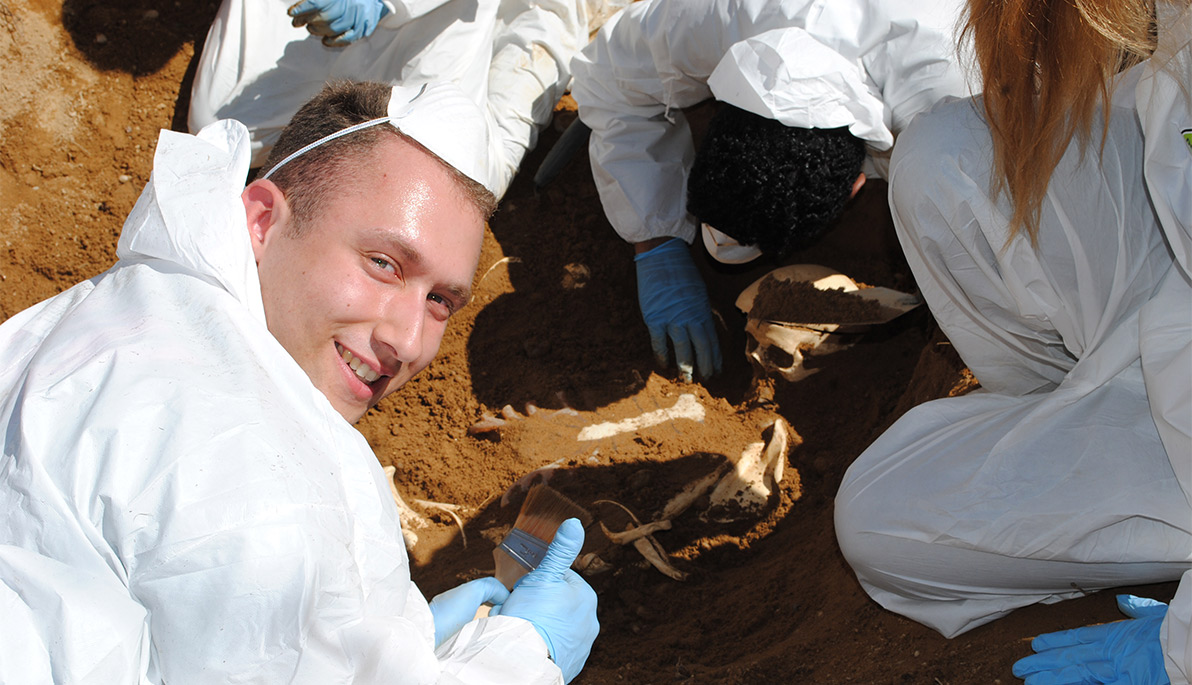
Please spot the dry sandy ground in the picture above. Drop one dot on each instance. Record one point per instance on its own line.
(86, 86)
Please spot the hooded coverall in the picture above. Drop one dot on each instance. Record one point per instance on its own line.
(1070, 470)
(181, 503)
(870, 66)
(511, 56)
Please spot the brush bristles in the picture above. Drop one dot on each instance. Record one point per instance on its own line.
(542, 512)
(544, 509)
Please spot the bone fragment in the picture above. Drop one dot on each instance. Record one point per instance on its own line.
(590, 564)
(692, 492)
(489, 270)
(487, 424)
(687, 407)
(624, 508)
(407, 516)
(450, 510)
(633, 534)
(653, 552)
(746, 490)
(782, 440)
(645, 544)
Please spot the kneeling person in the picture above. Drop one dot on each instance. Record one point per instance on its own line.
(187, 496)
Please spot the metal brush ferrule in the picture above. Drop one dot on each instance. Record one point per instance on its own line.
(524, 548)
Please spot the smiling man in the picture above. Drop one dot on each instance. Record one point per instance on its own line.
(185, 497)
(378, 285)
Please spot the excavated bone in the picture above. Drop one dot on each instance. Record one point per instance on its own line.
(633, 534)
(409, 518)
(776, 347)
(489, 423)
(590, 564)
(450, 510)
(686, 407)
(692, 492)
(745, 491)
(647, 546)
(657, 556)
(486, 424)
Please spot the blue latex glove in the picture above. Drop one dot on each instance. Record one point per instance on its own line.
(456, 607)
(674, 304)
(339, 22)
(1121, 653)
(559, 604)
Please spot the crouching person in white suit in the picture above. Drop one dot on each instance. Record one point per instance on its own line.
(185, 497)
(812, 96)
(512, 57)
(1069, 297)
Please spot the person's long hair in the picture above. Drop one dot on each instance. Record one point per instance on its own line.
(1047, 65)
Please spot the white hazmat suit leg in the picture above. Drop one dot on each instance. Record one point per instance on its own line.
(1052, 480)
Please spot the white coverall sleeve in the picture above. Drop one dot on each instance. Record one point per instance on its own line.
(923, 60)
(266, 589)
(171, 531)
(655, 58)
(630, 83)
(402, 11)
(647, 63)
(533, 45)
(1165, 110)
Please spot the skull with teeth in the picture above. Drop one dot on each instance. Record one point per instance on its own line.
(780, 349)
(780, 346)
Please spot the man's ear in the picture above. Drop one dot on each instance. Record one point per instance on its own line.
(267, 212)
(857, 185)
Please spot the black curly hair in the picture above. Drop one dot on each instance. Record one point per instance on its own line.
(767, 184)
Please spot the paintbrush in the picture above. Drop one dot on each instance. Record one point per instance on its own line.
(524, 547)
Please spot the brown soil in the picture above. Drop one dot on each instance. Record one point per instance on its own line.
(85, 89)
(802, 302)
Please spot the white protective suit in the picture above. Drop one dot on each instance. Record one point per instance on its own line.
(182, 505)
(870, 66)
(511, 56)
(1070, 470)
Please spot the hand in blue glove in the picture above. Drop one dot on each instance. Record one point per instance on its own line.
(674, 304)
(456, 607)
(1122, 652)
(559, 604)
(339, 22)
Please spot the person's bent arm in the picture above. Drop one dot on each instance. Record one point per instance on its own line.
(675, 306)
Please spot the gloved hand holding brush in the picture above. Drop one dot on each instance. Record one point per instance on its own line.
(454, 608)
(559, 604)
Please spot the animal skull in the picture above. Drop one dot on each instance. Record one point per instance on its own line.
(780, 348)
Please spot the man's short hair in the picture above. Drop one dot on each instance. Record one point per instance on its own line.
(767, 184)
(307, 181)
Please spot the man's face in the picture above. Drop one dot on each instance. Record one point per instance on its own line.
(362, 297)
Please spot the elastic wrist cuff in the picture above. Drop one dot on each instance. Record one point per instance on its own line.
(669, 246)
